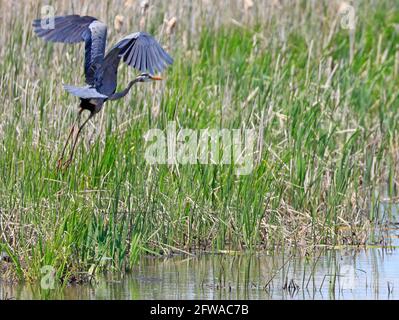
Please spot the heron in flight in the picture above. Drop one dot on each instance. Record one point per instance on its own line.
(138, 50)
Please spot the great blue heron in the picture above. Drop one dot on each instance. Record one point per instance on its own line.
(138, 50)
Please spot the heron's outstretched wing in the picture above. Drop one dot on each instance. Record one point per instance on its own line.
(73, 29)
(138, 50)
(84, 92)
(141, 51)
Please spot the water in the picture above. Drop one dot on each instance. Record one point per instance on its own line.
(342, 273)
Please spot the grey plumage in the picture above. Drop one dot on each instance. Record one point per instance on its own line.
(73, 29)
(84, 92)
(138, 50)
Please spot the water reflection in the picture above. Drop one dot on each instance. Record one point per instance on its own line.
(371, 273)
(341, 273)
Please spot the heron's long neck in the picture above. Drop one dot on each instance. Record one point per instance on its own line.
(124, 92)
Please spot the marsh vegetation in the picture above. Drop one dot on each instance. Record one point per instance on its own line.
(322, 97)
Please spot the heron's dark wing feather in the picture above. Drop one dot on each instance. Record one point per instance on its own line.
(66, 29)
(95, 50)
(138, 50)
(84, 92)
(73, 29)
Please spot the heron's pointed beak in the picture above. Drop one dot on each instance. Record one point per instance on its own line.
(156, 78)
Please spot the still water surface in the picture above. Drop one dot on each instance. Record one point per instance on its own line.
(344, 273)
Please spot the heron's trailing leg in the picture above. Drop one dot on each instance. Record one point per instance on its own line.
(68, 162)
(77, 121)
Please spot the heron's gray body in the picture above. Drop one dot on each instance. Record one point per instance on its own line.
(138, 50)
(90, 98)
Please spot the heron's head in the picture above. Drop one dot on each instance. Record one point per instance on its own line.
(146, 77)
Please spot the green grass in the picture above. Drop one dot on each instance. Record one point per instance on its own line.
(327, 128)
